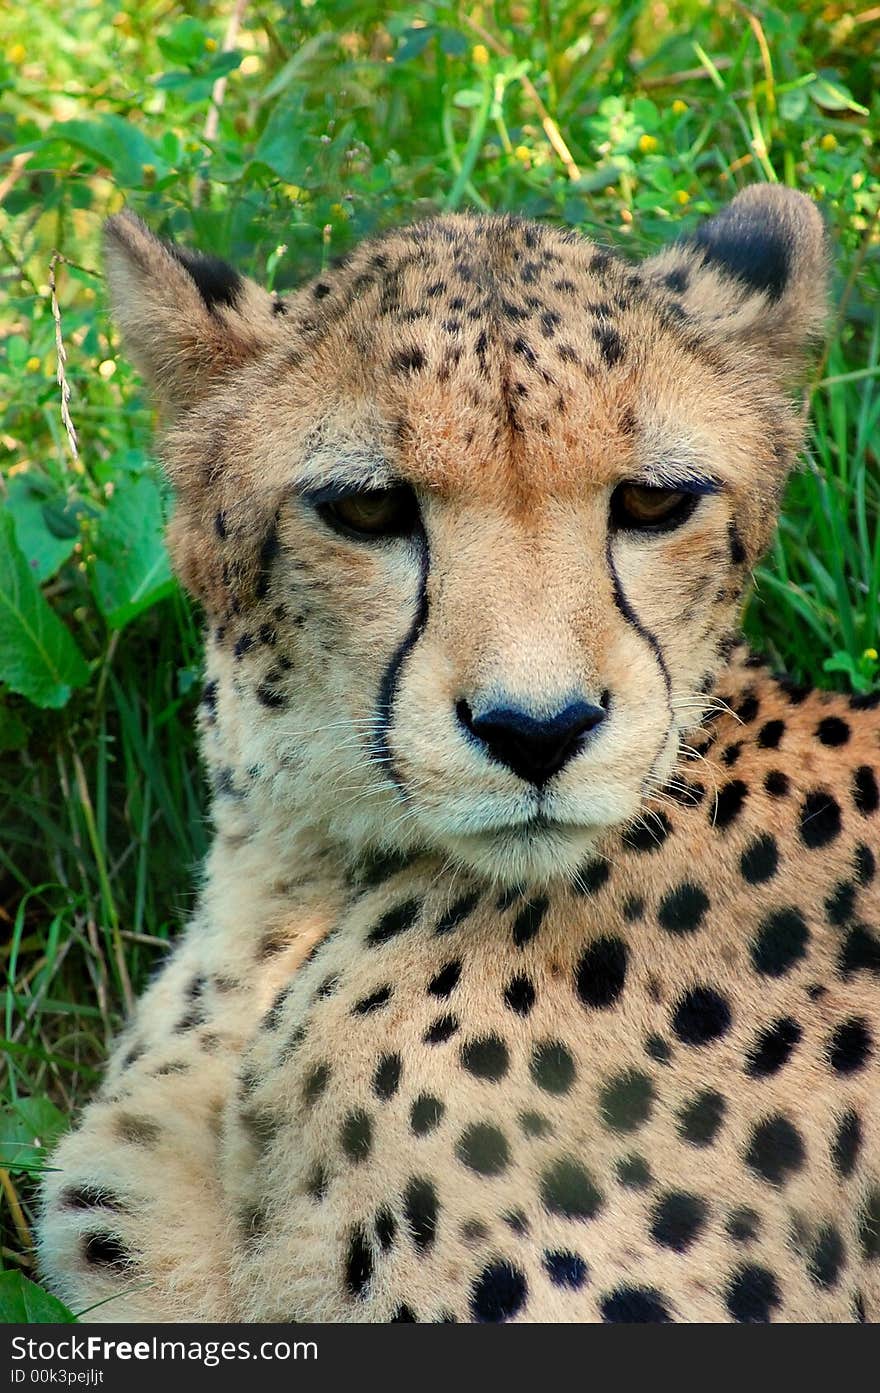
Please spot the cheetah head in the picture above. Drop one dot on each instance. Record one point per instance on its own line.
(471, 515)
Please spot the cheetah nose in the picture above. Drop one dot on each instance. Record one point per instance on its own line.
(535, 748)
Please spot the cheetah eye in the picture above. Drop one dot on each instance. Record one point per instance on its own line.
(646, 508)
(372, 514)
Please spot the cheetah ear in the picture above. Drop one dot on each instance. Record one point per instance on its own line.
(185, 318)
(757, 272)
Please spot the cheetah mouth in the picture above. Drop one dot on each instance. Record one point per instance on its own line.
(539, 849)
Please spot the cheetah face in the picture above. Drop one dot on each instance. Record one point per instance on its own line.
(472, 514)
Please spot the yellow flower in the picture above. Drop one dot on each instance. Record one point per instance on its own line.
(871, 655)
(337, 210)
(679, 107)
(16, 54)
(523, 153)
(211, 45)
(251, 64)
(33, 365)
(828, 142)
(106, 369)
(648, 144)
(480, 55)
(682, 196)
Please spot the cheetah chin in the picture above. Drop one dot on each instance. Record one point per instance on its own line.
(534, 972)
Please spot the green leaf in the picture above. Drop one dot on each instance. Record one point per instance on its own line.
(38, 657)
(22, 1302)
(29, 1127)
(833, 95)
(115, 143)
(132, 571)
(185, 43)
(45, 546)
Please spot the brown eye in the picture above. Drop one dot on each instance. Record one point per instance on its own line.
(643, 508)
(372, 514)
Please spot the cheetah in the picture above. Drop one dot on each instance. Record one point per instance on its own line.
(534, 974)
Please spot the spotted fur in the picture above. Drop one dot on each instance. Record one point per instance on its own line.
(441, 1042)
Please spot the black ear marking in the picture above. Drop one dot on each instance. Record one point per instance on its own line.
(217, 282)
(752, 244)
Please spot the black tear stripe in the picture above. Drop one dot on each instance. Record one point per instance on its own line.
(388, 685)
(625, 608)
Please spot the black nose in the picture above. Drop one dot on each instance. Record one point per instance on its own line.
(535, 748)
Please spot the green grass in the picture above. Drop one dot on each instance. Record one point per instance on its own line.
(626, 121)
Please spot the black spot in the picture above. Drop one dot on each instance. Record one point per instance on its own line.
(446, 980)
(847, 1144)
(701, 1016)
(869, 1226)
(565, 1269)
(270, 698)
(321, 289)
(358, 1263)
(677, 280)
(682, 909)
(408, 360)
(425, 1114)
(770, 735)
(217, 282)
(356, 1135)
(316, 1185)
(677, 1218)
(105, 1250)
(404, 1315)
(315, 1083)
(728, 804)
(700, 1119)
(831, 730)
(519, 994)
(866, 864)
(610, 344)
(776, 783)
(648, 835)
(626, 1100)
(850, 1046)
(484, 1149)
(386, 1229)
(243, 644)
(634, 1306)
(457, 913)
(820, 819)
(827, 1257)
(752, 1294)
(773, 1048)
(394, 921)
(591, 877)
(601, 973)
(486, 1058)
(528, 921)
(860, 952)
(499, 1293)
(840, 904)
(781, 942)
(776, 1149)
(552, 1067)
(731, 754)
(567, 1189)
(442, 1030)
(420, 1207)
(517, 1220)
(386, 1079)
(379, 998)
(743, 1225)
(633, 1172)
(657, 1048)
(89, 1197)
(688, 794)
(220, 527)
(760, 860)
(749, 706)
(866, 794)
(534, 1125)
